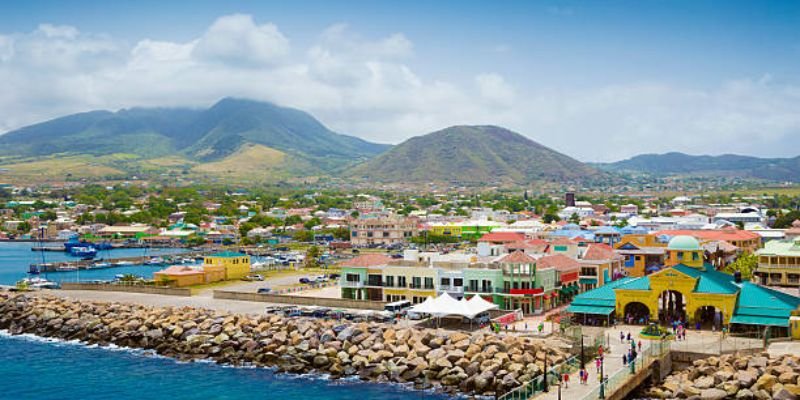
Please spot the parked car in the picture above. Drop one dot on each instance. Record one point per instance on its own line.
(255, 277)
(264, 290)
(321, 312)
(333, 276)
(293, 312)
(305, 280)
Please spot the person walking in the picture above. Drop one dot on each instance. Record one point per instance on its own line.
(624, 360)
(621, 337)
(566, 380)
(580, 376)
(629, 336)
(640, 346)
(597, 364)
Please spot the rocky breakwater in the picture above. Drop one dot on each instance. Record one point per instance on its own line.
(476, 364)
(734, 377)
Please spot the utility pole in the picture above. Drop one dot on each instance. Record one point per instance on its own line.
(546, 388)
(602, 377)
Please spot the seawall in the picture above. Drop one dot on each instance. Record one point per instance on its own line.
(477, 363)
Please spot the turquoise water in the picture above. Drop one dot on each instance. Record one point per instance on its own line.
(36, 369)
(15, 258)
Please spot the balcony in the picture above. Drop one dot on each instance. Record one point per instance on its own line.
(352, 284)
(452, 289)
(489, 289)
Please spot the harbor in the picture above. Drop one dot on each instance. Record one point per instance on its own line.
(101, 263)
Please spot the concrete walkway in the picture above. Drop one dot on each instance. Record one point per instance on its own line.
(612, 364)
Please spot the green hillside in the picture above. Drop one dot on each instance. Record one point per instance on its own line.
(773, 169)
(473, 154)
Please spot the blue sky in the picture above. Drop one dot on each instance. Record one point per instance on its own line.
(596, 80)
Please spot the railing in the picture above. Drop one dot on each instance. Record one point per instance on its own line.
(449, 288)
(537, 384)
(614, 382)
(352, 285)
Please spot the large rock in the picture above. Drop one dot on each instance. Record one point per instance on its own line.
(704, 382)
(713, 394)
(766, 382)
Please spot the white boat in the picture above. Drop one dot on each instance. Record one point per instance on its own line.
(121, 263)
(100, 265)
(39, 283)
(66, 268)
(155, 261)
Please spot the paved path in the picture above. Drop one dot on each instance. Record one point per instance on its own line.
(612, 364)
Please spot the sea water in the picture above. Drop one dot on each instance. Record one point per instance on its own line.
(40, 369)
(16, 257)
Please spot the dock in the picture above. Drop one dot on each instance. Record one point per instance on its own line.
(89, 264)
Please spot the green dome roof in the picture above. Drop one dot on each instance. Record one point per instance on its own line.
(683, 243)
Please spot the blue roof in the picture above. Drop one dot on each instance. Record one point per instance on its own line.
(607, 230)
(597, 310)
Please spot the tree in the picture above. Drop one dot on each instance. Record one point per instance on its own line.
(303, 236)
(550, 218)
(746, 264)
(24, 227)
(312, 223)
(312, 256)
(785, 220)
(574, 218)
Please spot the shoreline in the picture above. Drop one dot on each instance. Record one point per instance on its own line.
(454, 363)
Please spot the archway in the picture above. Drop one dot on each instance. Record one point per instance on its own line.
(636, 313)
(671, 306)
(708, 317)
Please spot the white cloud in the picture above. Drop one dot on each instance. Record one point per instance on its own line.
(369, 87)
(236, 39)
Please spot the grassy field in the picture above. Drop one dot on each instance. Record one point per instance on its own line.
(59, 168)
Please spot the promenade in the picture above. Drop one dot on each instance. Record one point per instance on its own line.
(612, 364)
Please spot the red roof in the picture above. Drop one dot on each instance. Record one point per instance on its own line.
(366, 260)
(502, 237)
(727, 234)
(518, 257)
(559, 262)
(599, 251)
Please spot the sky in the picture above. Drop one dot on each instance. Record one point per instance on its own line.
(597, 80)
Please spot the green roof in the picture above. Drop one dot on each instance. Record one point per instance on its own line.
(229, 254)
(641, 283)
(684, 243)
(756, 301)
(789, 248)
(709, 279)
(578, 309)
(754, 320)
(603, 296)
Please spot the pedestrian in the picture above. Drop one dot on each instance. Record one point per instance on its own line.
(640, 346)
(526, 326)
(624, 360)
(621, 337)
(597, 364)
(580, 376)
(566, 380)
(629, 336)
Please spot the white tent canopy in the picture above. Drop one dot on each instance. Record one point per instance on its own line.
(446, 305)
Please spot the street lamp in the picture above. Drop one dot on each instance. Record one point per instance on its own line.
(602, 381)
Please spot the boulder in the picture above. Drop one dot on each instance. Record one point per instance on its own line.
(713, 394)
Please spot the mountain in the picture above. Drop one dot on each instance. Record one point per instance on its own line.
(231, 128)
(473, 154)
(774, 169)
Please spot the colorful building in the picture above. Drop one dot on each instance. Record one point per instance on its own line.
(779, 263)
(464, 230)
(643, 254)
(689, 290)
(746, 241)
(600, 264)
(180, 275)
(361, 277)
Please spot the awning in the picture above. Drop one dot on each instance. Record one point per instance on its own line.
(588, 281)
(759, 320)
(596, 310)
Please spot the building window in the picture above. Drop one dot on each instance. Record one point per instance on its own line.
(428, 283)
(401, 281)
(389, 281)
(458, 282)
(445, 282)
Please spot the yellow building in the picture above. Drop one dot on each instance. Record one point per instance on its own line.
(181, 275)
(691, 291)
(237, 265)
(408, 283)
